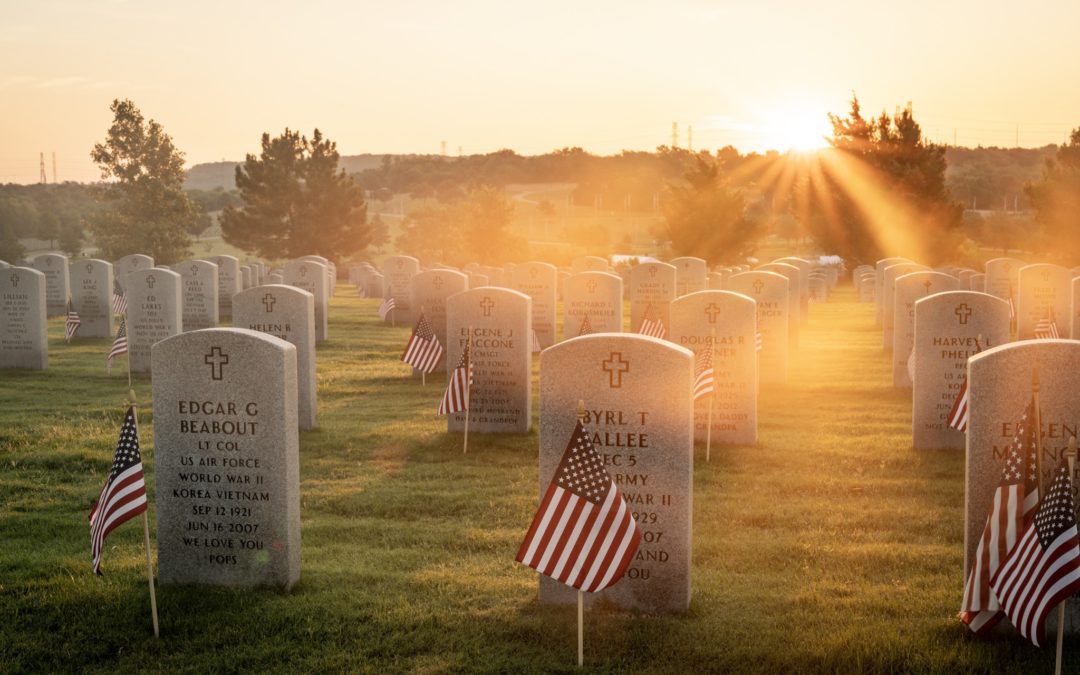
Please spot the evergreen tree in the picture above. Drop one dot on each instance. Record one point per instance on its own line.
(11, 251)
(707, 218)
(146, 209)
(916, 218)
(297, 202)
(1056, 200)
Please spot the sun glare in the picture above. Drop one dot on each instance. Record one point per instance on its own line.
(797, 128)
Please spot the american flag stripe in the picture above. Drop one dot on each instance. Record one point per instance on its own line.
(456, 397)
(583, 534)
(423, 351)
(124, 494)
(653, 328)
(387, 306)
(958, 416)
(704, 381)
(71, 325)
(1043, 569)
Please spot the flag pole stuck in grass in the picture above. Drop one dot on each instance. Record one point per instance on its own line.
(468, 391)
(122, 498)
(584, 534)
(1071, 455)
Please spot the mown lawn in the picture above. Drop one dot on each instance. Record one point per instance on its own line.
(832, 546)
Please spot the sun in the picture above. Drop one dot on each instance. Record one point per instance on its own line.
(797, 128)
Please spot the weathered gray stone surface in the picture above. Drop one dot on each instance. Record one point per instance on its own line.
(398, 270)
(24, 338)
(153, 297)
(430, 290)
(246, 280)
(879, 272)
(792, 274)
(769, 291)
(91, 293)
(311, 277)
(652, 288)
(57, 281)
(198, 294)
(1045, 291)
(888, 288)
(636, 392)
(227, 465)
(131, 263)
(907, 290)
(1003, 277)
(229, 282)
(476, 280)
(597, 295)
(729, 321)
(501, 323)
(805, 267)
(288, 313)
(949, 328)
(1001, 387)
(691, 274)
(539, 280)
(589, 263)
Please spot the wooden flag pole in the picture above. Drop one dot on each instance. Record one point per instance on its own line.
(712, 397)
(581, 593)
(468, 397)
(423, 375)
(1061, 608)
(146, 525)
(1038, 424)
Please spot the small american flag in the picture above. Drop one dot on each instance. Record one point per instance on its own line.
(1012, 305)
(73, 322)
(958, 415)
(1046, 328)
(652, 328)
(119, 298)
(124, 494)
(586, 326)
(456, 397)
(583, 534)
(119, 345)
(361, 291)
(1043, 569)
(759, 342)
(423, 351)
(1014, 501)
(535, 343)
(385, 308)
(704, 381)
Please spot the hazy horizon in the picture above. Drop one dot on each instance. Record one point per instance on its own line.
(485, 76)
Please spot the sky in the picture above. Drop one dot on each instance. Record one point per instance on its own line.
(403, 76)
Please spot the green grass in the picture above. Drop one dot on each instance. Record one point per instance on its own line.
(832, 546)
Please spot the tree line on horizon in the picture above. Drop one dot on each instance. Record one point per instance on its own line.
(295, 197)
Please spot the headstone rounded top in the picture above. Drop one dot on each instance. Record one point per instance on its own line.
(584, 342)
(705, 296)
(224, 334)
(277, 288)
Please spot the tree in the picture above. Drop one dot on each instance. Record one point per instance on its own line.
(884, 191)
(706, 218)
(297, 202)
(1056, 200)
(11, 251)
(472, 229)
(145, 207)
(71, 239)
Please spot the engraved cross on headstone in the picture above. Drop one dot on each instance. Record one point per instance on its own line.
(653, 271)
(614, 366)
(486, 304)
(194, 270)
(268, 302)
(303, 270)
(216, 360)
(150, 281)
(591, 285)
(89, 268)
(927, 284)
(437, 282)
(963, 312)
(533, 272)
(14, 280)
(758, 285)
(712, 310)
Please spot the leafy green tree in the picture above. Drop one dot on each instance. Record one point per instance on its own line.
(706, 217)
(11, 251)
(296, 201)
(914, 215)
(473, 229)
(1056, 200)
(71, 239)
(145, 207)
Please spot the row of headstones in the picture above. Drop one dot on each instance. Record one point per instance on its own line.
(962, 328)
(162, 303)
(227, 454)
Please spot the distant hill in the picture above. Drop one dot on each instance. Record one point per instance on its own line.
(213, 175)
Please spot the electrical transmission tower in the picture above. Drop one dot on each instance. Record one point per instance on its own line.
(41, 177)
(54, 168)
(674, 135)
